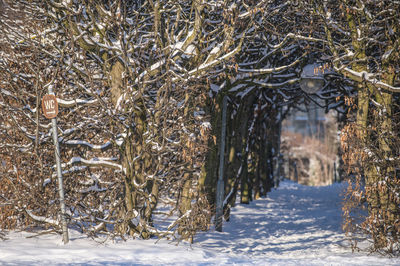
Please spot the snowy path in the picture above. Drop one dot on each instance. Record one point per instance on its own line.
(294, 225)
(292, 220)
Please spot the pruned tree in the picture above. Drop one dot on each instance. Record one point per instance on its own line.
(140, 86)
(361, 40)
(132, 80)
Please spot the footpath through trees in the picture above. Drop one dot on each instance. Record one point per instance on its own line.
(140, 87)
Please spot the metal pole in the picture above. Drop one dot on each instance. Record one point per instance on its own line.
(287, 166)
(220, 184)
(334, 173)
(60, 178)
(278, 155)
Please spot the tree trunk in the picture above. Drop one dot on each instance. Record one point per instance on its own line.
(388, 207)
(209, 173)
(137, 202)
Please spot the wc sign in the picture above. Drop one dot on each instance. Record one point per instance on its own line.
(50, 111)
(50, 106)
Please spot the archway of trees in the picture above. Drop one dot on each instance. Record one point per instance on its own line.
(140, 85)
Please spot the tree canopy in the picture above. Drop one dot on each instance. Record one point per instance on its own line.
(140, 87)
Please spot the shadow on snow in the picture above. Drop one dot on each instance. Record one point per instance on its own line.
(291, 218)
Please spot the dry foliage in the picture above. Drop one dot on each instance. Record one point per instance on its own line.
(372, 208)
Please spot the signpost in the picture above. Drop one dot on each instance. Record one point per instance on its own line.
(50, 111)
(50, 106)
(219, 212)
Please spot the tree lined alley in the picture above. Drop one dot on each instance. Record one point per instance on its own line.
(140, 86)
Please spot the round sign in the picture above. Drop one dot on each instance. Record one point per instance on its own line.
(49, 106)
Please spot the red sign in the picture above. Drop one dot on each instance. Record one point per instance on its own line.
(49, 106)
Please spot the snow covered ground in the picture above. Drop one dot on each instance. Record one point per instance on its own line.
(294, 225)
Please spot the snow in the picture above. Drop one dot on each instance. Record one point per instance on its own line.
(70, 103)
(191, 50)
(206, 125)
(294, 225)
(387, 55)
(85, 143)
(369, 77)
(105, 162)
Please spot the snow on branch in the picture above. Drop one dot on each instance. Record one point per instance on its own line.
(94, 162)
(174, 223)
(297, 37)
(364, 76)
(269, 70)
(277, 85)
(88, 145)
(70, 103)
(208, 65)
(42, 218)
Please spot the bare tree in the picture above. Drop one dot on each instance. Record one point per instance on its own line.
(140, 86)
(361, 39)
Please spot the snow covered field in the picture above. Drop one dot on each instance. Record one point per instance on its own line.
(294, 225)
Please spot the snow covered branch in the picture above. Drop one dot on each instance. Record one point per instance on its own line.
(94, 162)
(368, 78)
